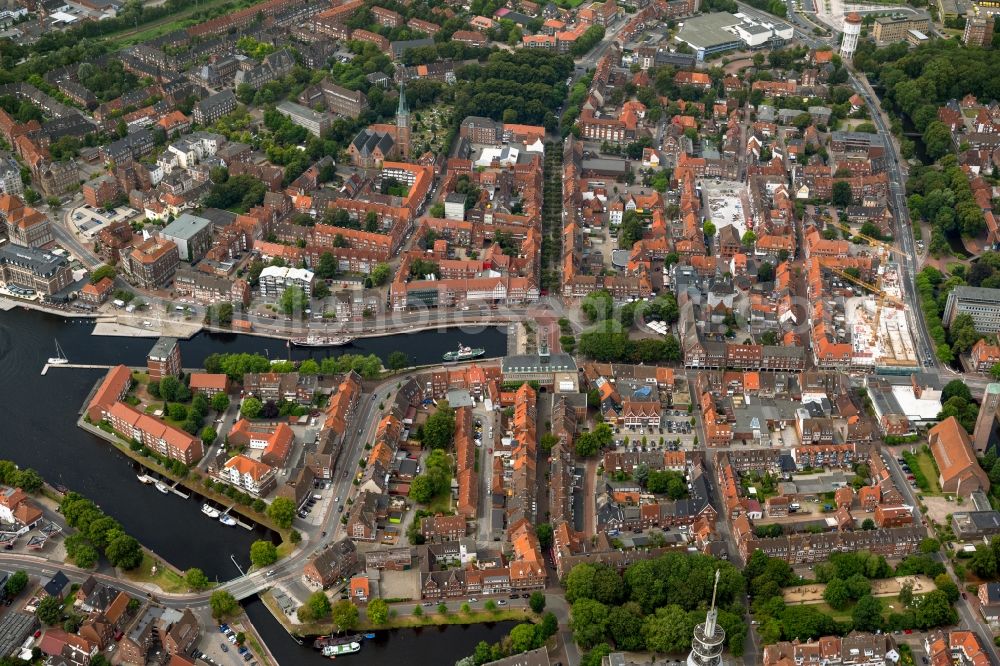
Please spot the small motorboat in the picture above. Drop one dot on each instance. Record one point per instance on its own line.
(228, 520)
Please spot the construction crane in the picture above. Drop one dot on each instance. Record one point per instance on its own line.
(888, 247)
(883, 297)
(878, 291)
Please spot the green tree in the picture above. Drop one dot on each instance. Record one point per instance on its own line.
(326, 267)
(984, 563)
(544, 533)
(398, 360)
(667, 631)
(625, 627)
(867, 614)
(836, 594)
(423, 489)
(906, 594)
(16, 583)
(282, 512)
(263, 553)
(588, 620)
(28, 480)
(169, 387)
(223, 604)
(84, 555)
(937, 140)
(319, 605)
(709, 228)
(220, 402)
(537, 602)
(49, 611)
(293, 301)
(378, 611)
(208, 435)
(439, 430)
(381, 274)
(522, 638)
(934, 610)
(251, 408)
(840, 194)
(947, 585)
(345, 615)
(123, 551)
(930, 545)
(101, 272)
(196, 578)
(177, 412)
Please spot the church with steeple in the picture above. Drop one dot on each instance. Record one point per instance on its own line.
(403, 125)
(378, 143)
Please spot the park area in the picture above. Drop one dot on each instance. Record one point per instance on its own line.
(886, 587)
(887, 590)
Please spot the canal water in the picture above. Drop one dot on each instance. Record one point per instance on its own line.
(39, 424)
(426, 646)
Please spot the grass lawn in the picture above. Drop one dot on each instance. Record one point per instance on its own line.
(165, 578)
(929, 469)
(441, 503)
(285, 548)
(889, 605)
(500, 615)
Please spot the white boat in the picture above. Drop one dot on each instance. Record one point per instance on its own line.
(209, 511)
(345, 648)
(322, 341)
(226, 519)
(162, 487)
(59, 358)
(145, 479)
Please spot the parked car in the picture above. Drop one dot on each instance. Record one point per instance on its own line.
(225, 648)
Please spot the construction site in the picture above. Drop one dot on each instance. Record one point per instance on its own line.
(880, 333)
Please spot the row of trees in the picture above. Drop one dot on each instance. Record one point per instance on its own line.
(26, 479)
(97, 534)
(933, 288)
(522, 638)
(237, 365)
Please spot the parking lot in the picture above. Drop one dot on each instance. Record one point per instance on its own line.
(674, 434)
(89, 220)
(219, 646)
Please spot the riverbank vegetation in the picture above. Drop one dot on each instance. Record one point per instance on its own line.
(237, 365)
(97, 534)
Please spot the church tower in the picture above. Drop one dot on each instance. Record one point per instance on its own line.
(403, 125)
(706, 647)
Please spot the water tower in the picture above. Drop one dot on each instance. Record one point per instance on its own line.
(852, 30)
